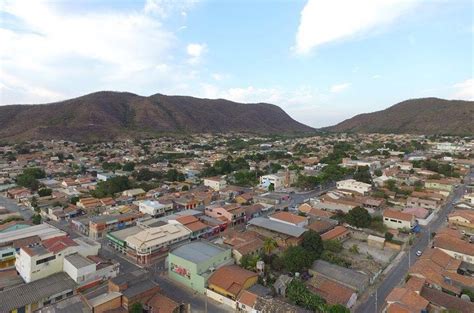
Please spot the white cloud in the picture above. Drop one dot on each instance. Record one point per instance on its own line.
(164, 8)
(60, 54)
(324, 21)
(376, 76)
(196, 51)
(464, 90)
(339, 87)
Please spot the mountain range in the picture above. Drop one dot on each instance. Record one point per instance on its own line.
(110, 115)
(115, 115)
(417, 116)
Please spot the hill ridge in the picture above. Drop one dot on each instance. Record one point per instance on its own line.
(418, 116)
(110, 115)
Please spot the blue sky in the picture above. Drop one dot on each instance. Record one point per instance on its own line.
(322, 61)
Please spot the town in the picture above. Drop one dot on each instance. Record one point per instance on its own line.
(327, 222)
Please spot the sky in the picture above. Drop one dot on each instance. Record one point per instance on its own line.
(322, 61)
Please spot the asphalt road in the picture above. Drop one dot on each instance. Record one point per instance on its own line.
(13, 206)
(375, 302)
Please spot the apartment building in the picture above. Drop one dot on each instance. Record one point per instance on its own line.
(354, 185)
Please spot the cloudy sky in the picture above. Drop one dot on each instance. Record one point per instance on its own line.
(320, 60)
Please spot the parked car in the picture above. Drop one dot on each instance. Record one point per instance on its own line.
(418, 253)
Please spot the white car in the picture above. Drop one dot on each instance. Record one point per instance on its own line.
(418, 253)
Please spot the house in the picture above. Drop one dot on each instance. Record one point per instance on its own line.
(131, 287)
(89, 204)
(230, 280)
(89, 271)
(198, 229)
(441, 184)
(402, 299)
(245, 198)
(233, 213)
(191, 264)
(350, 278)
(441, 301)
(282, 179)
(289, 218)
(38, 261)
(134, 193)
(339, 233)
(244, 243)
(455, 247)
(162, 304)
(216, 183)
(99, 226)
(463, 219)
(35, 295)
(333, 292)
(397, 220)
(154, 208)
(284, 234)
(19, 193)
(354, 185)
(417, 202)
(440, 271)
(321, 226)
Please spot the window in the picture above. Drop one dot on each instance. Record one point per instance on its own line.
(58, 298)
(70, 293)
(50, 258)
(47, 302)
(7, 254)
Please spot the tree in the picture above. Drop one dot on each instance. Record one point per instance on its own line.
(45, 192)
(363, 174)
(137, 307)
(36, 219)
(296, 259)
(174, 175)
(128, 167)
(358, 217)
(333, 245)
(391, 185)
(378, 172)
(111, 186)
(249, 262)
(74, 200)
(298, 294)
(29, 178)
(185, 188)
(269, 245)
(271, 187)
(388, 236)
(313, 243)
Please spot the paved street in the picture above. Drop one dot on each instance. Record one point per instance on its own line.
(13, 206)
(376, 301)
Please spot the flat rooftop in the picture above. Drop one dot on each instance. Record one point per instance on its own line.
(198, 251)
(78, 261)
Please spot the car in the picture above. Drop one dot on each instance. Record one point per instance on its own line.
(418, 253)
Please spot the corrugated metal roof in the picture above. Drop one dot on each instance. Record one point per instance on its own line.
(33, 292)
(278, 227)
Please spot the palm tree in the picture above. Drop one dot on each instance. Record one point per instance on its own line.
(269, 245)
